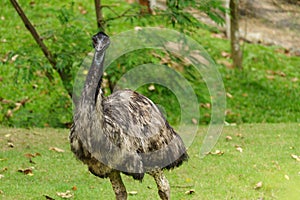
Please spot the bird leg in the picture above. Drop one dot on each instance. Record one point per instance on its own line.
(162, 184)
(118, 185)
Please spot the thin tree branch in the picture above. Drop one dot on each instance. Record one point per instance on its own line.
(34, 33)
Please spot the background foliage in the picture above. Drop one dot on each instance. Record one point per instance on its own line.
(265, 91)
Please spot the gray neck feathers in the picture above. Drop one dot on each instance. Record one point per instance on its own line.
(90, 93)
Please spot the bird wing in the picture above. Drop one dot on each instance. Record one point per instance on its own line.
(135, 124)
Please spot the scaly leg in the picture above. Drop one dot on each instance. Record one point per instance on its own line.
(118, 185)
(162, 184)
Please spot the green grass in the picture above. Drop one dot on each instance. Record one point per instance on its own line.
(266, 157)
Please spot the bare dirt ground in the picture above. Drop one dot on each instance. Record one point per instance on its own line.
(272, 22)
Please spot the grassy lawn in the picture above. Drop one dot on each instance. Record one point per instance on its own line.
(265, 157)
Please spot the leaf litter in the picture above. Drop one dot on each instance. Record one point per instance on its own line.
(56, 149)
(296, 157)
(65, 195)
(27, 171)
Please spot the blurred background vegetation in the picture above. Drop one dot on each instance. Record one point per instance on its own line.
(34, 93)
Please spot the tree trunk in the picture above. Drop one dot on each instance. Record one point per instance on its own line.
(236, 52)
(227, 19)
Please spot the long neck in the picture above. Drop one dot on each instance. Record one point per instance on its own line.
(90, 94)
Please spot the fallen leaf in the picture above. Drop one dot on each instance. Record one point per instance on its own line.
(56, 149)
(282, 74)
(225, 54)
(217, 152)
(218, 35)
(258, 185)
(132, 192)
(270, 77)
(294, 79)
(74, 188)
(205, 105)
(48, 198)
(238, 148)
(14, 58)
(151, 87)
(295, 157)
(9, 113)
(191, 191)
(194, 121)
(29, 155)
(287, 177)
(65, 195)
(228, 138)
(11, 145)
(27, 171)
(82, 10)
(226, 63)
(4, 169)
(229, 95)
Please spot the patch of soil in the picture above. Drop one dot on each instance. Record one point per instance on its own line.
(272, 22)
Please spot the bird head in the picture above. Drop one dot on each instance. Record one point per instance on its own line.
(100, 41)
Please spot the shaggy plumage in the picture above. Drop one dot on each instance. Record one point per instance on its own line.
(124, 132)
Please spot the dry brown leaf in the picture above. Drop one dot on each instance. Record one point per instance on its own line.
(270, 77)
(74, 188)
(4, 169)
(14, 58)
(294, 79)
(194, 121)
(287, 177)
(27, 171)
(30, 155)
(228, 138)
(205, 105)
(56, 149)
(48, 197)
(258, 185)
(217, 152)
(229, 95)
(226, 63)
(65, 195)
(239, 149)
(294, 156)
(225, 54)
(151, 87)
(82, 10)
(132, 192)
(10, 144)
(191, 191)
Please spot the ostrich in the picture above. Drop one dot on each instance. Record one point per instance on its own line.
(122, 133)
